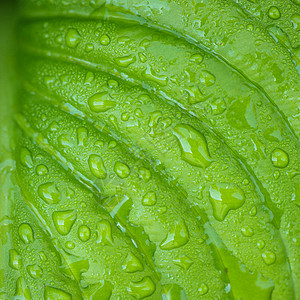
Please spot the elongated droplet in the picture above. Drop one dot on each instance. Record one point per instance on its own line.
(52, 293)
(82, 136)
(280, 158)
(101, 102)
(15, 260)
(224, 197)
(84, 233)
(125, 61)
(193, 146)
(141, 289)
(104, 232)
(121, 170)
(132, 264)
(97, 167)
(49, 193)
(26, 158)
(26, 233)
(184, 262)
(22, 290)
(73, 38)
(177, 237)
(64, 220)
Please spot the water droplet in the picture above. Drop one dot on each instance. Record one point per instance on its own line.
(101, 102)
(73, 38)
(280, 158)
(22, 290)
(49, 193)
(125, 61)
(84, 233)
(142, 289)
(132, 264)
(195, 95)
(144, 174)
(253, 211)
(276, 174)
(70, 245)
(41, 170)
(151, 75)
(89, 77)
(225, 197)
(89, 47)
(15, 260)
(193, 146)
(64, 141)
(207, 78)
(260, 244)
(64, 220)
(173, 291)
(26, 158)
(296, 21)
(42, 256)
(104, 232)
(34, 271)
(274, 13)
(203, 289)
(142, 57)
(26, 233)
(247, 231)
(177, 236)
(121, 170)
(218, 106)
(52, 293)
(184, 262)
(104, 40)
(112, 83)
(269, 257)
(82, 136)
(97, 167)
(149, 199)
(196, 58)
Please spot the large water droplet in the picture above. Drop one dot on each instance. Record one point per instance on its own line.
(269, 257)
(224, 197)
(195, 95)
(34, 271)
(64, 220)
(132, 264)
(177, 236)
(193, 146)
(49, 193)
(26, 158)
(26, 233)
(274, 13)
(97, 167)
(207, 78)
(173, 292)
(218, 106)
(149, 199)
(125, 61)
(52, 293)
(142, 289)
(104, 232)
(101, 102)
(184, 262)
(73, 38)
(121, 170)
(15, 260)
(280, 158)
(22, 290)
(84, 233)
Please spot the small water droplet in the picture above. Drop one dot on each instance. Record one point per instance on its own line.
(218, 106)
(125, 61)
(184, 262)
(144, 174)
(142, 289)
(280, 158)
(247, 231)
(112, 83)
(89, 47)
(15, 260)
(149, 199)
(26, 158)
(104, 40)
(177, 237)
(52, 293)
(64, 141)
(274, 13)
(121, 170)
(253, 211)
(34, 271)
(64, 220)
(269, 257)
(193, 145)
(104, 232)
(203, 289)
(26, 233)
(260, 244)
(41, 170)
(196, 58)
(101, 102)
(142, 57)
(132, 264)
(296, 21)
(276, 174)
(73, 38)
(225, 197)
(49, 193)
(89, 77)
(70, 245)
(97, 167)
(207, 78)
(84, 233)
(194, 94)
(82, 136)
